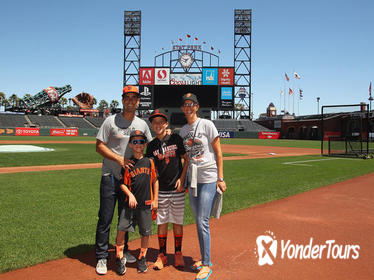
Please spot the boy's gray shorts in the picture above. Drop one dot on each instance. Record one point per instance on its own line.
(129, 218)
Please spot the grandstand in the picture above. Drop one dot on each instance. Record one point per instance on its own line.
(97, 122)
(76, 122)
(13, 120)
(45, 121)
(238, 125)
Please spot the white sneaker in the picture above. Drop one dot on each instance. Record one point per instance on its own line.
(101, 267)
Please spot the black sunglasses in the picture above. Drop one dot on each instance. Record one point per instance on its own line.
(138, 141)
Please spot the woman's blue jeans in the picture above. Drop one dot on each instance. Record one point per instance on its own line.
(201, 207)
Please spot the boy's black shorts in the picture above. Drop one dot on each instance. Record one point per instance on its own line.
(129, 218)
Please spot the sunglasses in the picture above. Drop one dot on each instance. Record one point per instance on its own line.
(138, 141)
(189, 104)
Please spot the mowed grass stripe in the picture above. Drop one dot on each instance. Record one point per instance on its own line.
(71, 153)
(48, 215)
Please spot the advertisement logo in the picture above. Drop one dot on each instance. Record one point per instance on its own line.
(146, 76)
(162, 76)
(24, 131)
(185, 79)
(226, 93)
(210, 76)
(226, 76)
(267, 248)
(145, 97)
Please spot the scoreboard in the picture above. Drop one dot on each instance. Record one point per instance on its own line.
(213, 86)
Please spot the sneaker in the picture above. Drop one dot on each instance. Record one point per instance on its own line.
(129, 258)
(178, 260)
(121, 266)
(101, 267)
(142, 265)
(160, 262)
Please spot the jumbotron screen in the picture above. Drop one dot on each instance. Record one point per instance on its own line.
(171, 96)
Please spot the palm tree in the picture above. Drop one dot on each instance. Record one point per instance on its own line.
(2, 98)
(102, 105)
(63, 102)
(114, 104)
(94, 101)
(13, 99)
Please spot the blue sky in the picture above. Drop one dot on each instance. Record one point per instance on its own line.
(54, 43)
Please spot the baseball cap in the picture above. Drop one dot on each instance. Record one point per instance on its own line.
(158, 113)
(135, 133)
(128, 89)
(190, 96)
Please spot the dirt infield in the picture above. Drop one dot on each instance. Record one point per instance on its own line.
(247, 151)
(343, 212)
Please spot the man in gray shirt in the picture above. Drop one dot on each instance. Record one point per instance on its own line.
(112, 143)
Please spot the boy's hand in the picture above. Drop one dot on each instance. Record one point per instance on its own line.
(179, 185)
(154, 205)
(132, 201)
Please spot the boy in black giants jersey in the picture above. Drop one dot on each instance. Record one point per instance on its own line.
(140, 185)
(167, 151)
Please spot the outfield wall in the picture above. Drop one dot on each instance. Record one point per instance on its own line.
(69, 132)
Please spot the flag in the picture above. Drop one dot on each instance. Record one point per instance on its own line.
(180, 39)
(301, 93)
(211, 48)
(172, 42)
(290, 91)
(196, 39)
(297, 76)
(287, 79)
(219, 51)
(188, 36)
(204, 42)
(370, 89)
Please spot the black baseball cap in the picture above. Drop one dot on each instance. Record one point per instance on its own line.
(135, 133)
(190, 96)
(158, 113)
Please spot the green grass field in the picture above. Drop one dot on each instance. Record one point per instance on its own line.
(50, 215)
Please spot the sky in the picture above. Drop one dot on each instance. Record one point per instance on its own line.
(328, 43)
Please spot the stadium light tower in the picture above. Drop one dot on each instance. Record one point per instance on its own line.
(243, 59)
(132, 41)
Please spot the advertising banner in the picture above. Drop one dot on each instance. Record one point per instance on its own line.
(7, 131)
(328, 134)
(210, 76)
(226, 97)
(146, 97)
(63, 132)
(27, 131)
(185, 79)
(146, 76)
(162, 76)
(268, 135)
(226, 134)
(226, 76)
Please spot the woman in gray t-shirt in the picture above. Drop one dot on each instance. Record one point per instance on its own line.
(205, 174)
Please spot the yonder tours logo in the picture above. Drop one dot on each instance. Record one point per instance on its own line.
(267, 249)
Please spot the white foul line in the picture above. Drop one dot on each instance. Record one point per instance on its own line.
(300, 162)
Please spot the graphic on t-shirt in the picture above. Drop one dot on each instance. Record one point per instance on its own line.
(166, 152)
(194, 148)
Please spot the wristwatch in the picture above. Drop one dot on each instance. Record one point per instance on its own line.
(220, 179)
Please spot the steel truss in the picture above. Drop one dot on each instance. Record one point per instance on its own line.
(242, 63)
(132, 40)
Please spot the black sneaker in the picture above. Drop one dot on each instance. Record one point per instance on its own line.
(121, 265)
(142, 265)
